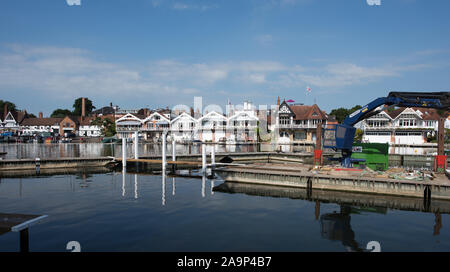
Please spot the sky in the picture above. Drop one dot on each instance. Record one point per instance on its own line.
(158, 53)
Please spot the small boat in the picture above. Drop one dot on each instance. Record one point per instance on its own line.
(108, 140)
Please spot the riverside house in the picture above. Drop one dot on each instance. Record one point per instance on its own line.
(401, 126)
(297, 123)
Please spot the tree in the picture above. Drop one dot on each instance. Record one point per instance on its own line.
(11, 105)
(59, 113)
(342, 113)
(358, 135)
(77, 106)
(30, 115)
(108, 127)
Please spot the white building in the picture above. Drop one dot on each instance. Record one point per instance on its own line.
(34, 126)
(127, 125)
(402, 126)
(243, 125)
(212, 127)
(154, 125)
(184, 128)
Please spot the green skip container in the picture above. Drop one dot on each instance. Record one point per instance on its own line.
(375, 154)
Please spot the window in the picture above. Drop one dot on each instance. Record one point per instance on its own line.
(285, 120)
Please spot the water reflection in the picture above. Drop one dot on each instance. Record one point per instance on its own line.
(163, 188)
(60, 150)
(135, 186)
(336, 227)
(124, 173)
(173, 186)
(203, 184)
(330, 219)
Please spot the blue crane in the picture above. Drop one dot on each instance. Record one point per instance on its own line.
(344, 133)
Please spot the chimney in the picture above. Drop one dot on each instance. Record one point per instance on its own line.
(5, 110)
(41, 115)
(83, 107)
(192, 112)
(278, 101)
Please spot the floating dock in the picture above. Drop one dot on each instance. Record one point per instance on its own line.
(337, 197)
(32, 164)
(302, 177)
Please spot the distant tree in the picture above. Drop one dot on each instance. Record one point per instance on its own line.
(11, 105)
(30, 115)
(59, 113)
(342, 113)
(108, 127)
(77, 106)
(358, 135)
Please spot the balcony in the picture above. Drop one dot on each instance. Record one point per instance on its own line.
(296, 126)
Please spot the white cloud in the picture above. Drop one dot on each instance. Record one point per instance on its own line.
(61, 72)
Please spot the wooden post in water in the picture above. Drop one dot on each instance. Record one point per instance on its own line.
(213, 159)
(136, 145)
(124, 152)
(163, 152)
(203, 158)
(174, 156)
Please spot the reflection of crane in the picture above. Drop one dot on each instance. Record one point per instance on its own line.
(336, 226)
(344, 133)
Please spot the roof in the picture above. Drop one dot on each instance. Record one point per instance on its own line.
(427, 113)
(104, 110)
(41, 121)
(304, 112)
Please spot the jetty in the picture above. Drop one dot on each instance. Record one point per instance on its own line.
(349, 180)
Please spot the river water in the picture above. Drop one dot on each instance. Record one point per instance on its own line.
(141, 212)
(35, 150)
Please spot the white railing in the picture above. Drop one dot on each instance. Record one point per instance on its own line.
(296, 126)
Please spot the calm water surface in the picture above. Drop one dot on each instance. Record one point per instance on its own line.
(34, 150)
(137, 212)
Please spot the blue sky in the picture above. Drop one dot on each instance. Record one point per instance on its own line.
(164, 52)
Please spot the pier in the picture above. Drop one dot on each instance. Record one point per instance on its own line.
(302, 177)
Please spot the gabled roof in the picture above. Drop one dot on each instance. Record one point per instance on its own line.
(213, 113)
(128, 116)
(426, 113)
(304, 112)
(243, 113)
(184, 114)
(150, 117)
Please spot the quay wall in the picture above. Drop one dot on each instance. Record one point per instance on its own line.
(312, 181)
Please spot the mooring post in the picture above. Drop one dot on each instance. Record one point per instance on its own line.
(213, 156)
(124, 152)
(213, 159)
(203, 158)
(38, 165)
(136, 145)
(163, 150)
(174, 157)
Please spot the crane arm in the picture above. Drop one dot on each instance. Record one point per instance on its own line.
(436, 100)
